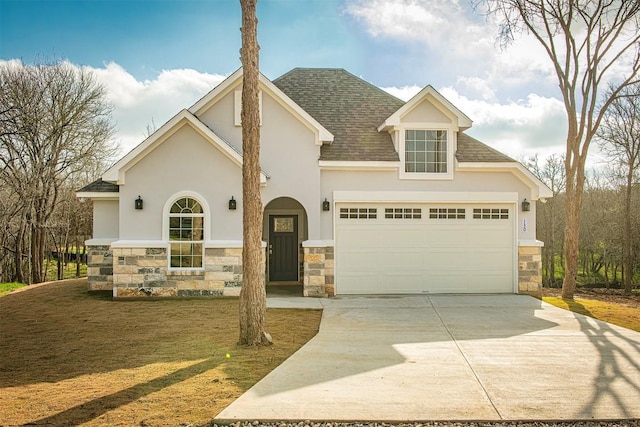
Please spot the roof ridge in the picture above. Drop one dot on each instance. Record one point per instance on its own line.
(307, 68)
(378, 89)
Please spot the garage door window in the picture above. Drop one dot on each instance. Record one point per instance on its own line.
(447, 213)
(403, 213)
(359, 213)
(490, 213)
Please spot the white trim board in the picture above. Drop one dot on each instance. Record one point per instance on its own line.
(425, 197)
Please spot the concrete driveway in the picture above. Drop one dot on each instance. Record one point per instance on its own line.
(450, 357)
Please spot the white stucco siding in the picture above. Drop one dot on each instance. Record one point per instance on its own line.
(183, 162)
(220, 118)
(426, 112)
(288, 153)
(105, 219)
(464, 182)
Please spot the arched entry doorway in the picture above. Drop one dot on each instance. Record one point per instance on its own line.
(284, 230)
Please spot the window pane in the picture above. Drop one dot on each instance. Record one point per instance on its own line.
(411, 146)
(425, 151)
(186, 231)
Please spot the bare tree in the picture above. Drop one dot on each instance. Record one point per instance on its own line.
(54, 122)
(551, 172)
(253, 299)
(588, 42)
(619, 134)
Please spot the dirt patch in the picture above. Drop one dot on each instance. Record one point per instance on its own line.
(68, 357)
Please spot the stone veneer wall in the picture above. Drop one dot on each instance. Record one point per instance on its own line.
(530, 270)
(100, 267)
(143, 272)
(318, 272)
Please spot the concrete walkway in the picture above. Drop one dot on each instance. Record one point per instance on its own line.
(446, 357)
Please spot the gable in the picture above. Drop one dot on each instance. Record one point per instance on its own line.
(459, 120)
(234, 83)
(426, 111)
(117, 172)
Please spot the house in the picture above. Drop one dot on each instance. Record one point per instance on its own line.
(362, 193)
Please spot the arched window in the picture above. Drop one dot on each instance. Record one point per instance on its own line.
(186, 233)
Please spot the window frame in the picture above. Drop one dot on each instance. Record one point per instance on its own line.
(450, 147)
(166, 223)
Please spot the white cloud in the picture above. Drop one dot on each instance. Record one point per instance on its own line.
(457, 36)
(519, 128)
(404, 93)
(139, 104)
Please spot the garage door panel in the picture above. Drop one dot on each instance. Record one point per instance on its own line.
(492, 281)
(402, 283)
(491, 236)
(400, 260)
(448, 283)
(359, 283)
(359, 237)
(359, 259)
(492, 259)
(425, 254)
(446, 259)
(447, 237)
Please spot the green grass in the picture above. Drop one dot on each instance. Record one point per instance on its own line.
(6, 288)
(69, 270)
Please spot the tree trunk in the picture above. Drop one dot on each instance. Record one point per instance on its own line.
(574, 167)
(253, 295)
(626, 251)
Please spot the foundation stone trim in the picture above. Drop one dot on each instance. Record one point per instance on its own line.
(318, 269)
(530, 270)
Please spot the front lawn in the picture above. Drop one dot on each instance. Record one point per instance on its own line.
(68, 357)
(618, 314)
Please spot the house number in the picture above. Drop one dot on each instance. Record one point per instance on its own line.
(524, 224)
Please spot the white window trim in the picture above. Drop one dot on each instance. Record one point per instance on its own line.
(237, 107)
(165, 226)
(451, 137)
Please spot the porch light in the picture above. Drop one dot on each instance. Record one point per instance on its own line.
(326, 205)
(138, 203)
(232, 204)
(526, 206)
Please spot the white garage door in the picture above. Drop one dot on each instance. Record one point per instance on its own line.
(437, 248)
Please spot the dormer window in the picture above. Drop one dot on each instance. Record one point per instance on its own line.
(425, 151)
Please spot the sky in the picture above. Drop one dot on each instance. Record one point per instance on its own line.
(156, 57)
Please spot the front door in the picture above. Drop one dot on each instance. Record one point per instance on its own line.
(283, 248)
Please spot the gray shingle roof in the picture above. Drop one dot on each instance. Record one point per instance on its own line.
(352, 109)
(349, 107)
(472, 150)
(100, 186)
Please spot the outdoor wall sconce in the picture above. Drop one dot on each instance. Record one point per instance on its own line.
(526, 206)
(232, 204)
(326, 205)
(139, 203)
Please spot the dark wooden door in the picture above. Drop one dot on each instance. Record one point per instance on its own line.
(283, 248)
